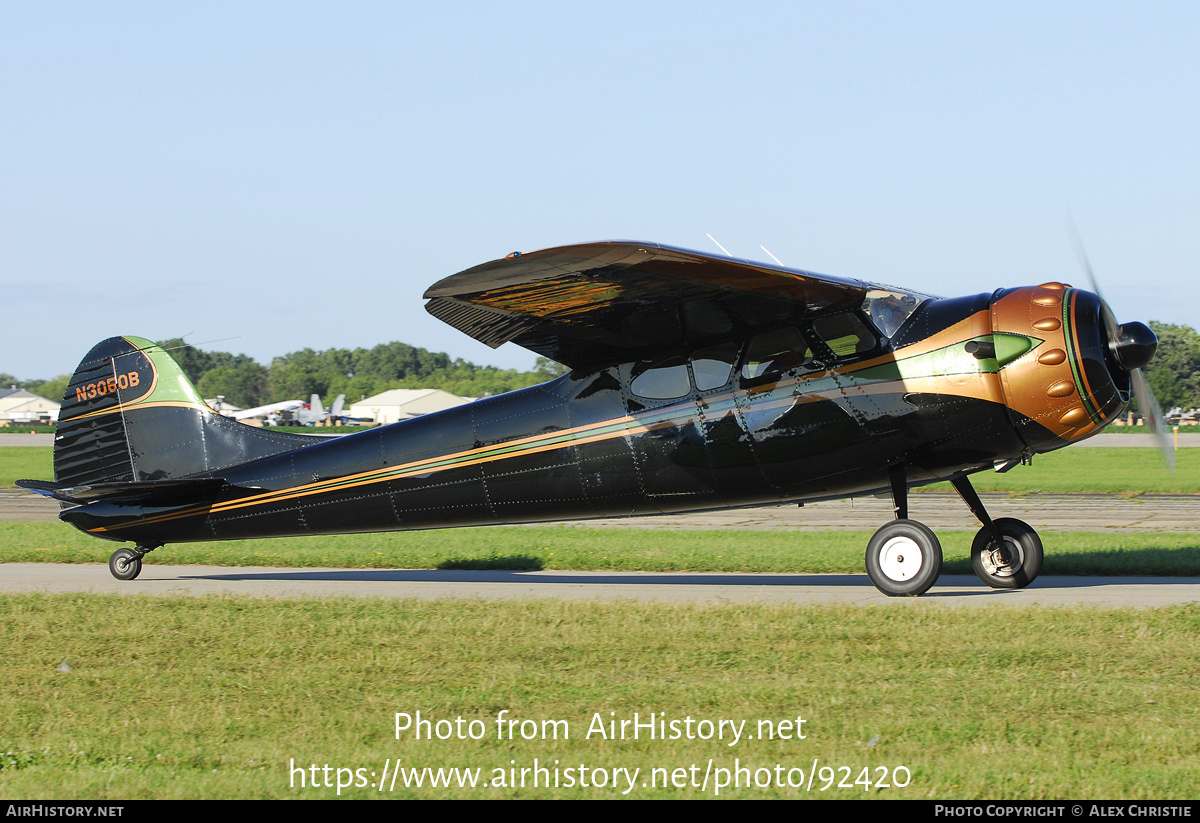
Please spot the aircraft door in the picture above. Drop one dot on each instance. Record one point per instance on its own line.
(669, 440)
(793, 408)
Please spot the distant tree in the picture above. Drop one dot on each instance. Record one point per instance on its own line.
(355, 373)
(243, 384)
(54, 389)
(1174, 373)
(549, 369)
(195, 362)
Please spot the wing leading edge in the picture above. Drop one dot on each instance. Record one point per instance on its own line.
(598, 304)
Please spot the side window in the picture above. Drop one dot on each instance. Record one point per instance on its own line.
(664, 380)
(711, 367)
(845, 334)
(775, 352)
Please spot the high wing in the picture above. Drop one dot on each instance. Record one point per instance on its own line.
(597, 304)
(263, 411)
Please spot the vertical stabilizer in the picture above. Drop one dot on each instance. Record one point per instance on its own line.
(131, 414)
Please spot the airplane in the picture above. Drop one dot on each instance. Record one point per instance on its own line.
(296, 411)
(311, 414)
(696, 383)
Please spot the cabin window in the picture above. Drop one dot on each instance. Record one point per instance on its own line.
(664, 380)
(711, 367)
(845, 334)
(775, 352)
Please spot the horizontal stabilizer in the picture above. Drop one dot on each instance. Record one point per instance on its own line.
(142, 493)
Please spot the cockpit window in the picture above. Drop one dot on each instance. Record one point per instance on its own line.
(775, 352)
(845, 334)
(890, 308)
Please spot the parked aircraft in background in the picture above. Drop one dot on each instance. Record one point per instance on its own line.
(697, 382)
(293, 412)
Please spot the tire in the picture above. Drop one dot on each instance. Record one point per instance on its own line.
(904, 558)
(1017, 565)
(125, 564)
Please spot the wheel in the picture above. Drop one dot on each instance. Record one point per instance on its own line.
(904, 558)
(125, 564)
(1012, 565)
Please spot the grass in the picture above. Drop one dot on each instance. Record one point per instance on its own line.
(221, 697)
(582, 548)
(1124, 470)
(25, 463)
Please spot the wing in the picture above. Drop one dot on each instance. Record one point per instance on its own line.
(263, 411)
(598, 304)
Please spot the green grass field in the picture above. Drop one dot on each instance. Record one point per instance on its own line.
(223, 698)
(25, 463)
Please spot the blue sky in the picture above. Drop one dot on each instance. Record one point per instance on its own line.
(293, 174)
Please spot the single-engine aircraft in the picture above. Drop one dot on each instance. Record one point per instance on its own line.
(696, 382)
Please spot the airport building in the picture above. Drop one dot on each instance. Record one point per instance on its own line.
(401, 404)
(23, 407)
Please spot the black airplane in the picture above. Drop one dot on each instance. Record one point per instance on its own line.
(696, 382)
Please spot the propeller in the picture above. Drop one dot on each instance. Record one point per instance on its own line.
(1132, 346)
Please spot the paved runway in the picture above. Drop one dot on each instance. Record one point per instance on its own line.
(714, 588)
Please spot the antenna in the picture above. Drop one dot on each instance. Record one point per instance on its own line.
(719, 246)
(773, 257)
(194, 345)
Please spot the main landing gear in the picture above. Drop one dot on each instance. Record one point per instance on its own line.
(904, 558)
(126, 564)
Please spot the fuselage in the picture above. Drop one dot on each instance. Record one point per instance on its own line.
(817, 410)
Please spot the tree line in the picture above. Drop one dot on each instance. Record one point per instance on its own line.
(1174, 374)
(355, 373)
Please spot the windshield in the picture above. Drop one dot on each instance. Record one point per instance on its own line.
(890, 308)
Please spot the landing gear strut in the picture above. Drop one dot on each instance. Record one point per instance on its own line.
(126, 564)
(1006, 553)
(904, 558)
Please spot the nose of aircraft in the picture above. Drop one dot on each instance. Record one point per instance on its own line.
(1079, 373)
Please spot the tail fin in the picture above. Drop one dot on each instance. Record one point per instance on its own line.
(130, 414)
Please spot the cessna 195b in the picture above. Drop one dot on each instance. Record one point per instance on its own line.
(697, 382)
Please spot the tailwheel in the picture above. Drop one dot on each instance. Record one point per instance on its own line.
(125, 564)
(904, 558)
(1013, 562)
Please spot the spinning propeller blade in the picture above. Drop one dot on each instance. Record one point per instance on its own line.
(1132, 346)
